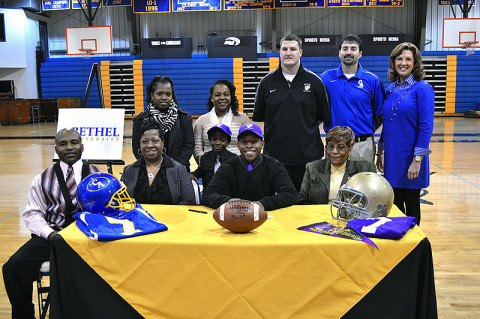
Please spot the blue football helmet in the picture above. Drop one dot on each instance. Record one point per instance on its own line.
(102, 193)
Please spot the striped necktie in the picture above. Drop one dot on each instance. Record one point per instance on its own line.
(71, 185)
(217, 164)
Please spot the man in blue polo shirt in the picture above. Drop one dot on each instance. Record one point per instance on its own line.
(356, 98)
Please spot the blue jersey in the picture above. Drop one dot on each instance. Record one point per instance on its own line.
(120, 225)
(383, 227)
(354, 102)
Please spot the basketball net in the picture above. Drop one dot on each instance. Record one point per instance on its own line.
(470, 47)
(86, 53)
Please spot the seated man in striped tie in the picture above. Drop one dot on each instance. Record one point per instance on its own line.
(51, 204)
(251, 175)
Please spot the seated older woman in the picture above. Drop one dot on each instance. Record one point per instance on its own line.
(324, 177)
(156, 178)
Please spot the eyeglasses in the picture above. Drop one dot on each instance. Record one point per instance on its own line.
(154, 142)
(340, 148)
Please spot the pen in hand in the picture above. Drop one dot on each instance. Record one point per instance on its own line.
(198, 211)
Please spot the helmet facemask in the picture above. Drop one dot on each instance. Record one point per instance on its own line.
(350, 203)
(121, 200)
(364, 195)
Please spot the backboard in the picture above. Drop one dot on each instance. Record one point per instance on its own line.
(458, 31)
(98, 39)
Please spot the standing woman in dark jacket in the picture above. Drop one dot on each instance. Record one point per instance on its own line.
(162, 109)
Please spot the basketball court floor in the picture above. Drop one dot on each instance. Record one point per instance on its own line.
(450, 206)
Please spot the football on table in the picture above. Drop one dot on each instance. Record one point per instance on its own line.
(240, 216)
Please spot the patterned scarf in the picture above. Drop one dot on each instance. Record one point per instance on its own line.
(164, 119)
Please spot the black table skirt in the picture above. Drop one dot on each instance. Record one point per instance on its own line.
(77, 291)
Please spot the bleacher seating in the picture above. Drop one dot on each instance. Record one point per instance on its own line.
(68, 77)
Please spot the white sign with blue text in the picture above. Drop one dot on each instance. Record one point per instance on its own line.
(101, 131)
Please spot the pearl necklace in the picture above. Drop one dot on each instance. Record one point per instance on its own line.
(150, 173)
(396, 103)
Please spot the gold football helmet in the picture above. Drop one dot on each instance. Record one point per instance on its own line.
(364, 195)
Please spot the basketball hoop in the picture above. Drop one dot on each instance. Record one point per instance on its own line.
(470, 46)
(86, 53)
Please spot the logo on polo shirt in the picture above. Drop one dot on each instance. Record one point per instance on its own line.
(360, 84)
(306, 87)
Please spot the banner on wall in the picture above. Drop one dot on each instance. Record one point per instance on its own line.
(345, 3)
(196, 5)
(151, 6)
(49, 5)
(101, 131)
(300, 4)
(78, 4)
(248, 5)
(233, 47)
(320, 45)
(382, 44)
(454, 2)
(384, 3)
(167, 48)
(116, 3)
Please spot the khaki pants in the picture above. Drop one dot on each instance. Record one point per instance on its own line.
(364, 150)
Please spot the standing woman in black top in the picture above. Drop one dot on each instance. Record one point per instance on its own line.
(176, 124)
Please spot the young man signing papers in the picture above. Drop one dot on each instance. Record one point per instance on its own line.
(251, 176)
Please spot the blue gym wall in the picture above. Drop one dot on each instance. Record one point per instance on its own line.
(468, 83)
(68, 77)
(192, 78)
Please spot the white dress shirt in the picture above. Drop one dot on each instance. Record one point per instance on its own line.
(35, 212)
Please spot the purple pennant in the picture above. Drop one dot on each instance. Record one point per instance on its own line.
(328, 229)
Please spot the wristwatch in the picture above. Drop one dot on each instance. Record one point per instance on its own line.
(418, 158)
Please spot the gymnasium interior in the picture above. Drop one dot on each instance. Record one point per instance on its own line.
(51, 60)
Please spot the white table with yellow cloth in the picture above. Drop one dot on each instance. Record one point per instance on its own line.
(196, 269)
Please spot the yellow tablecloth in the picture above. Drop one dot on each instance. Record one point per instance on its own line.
(197, 269)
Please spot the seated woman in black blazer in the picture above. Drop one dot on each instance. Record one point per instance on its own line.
(156, 178)
(324, 177)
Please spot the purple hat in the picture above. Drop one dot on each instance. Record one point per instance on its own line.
(250, 127)
(220, 127)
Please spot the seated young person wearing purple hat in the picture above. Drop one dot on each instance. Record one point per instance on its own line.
(251, 175)
(219, 137)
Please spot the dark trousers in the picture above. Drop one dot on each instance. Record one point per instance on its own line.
(19, 273)
(296, 173)
(408, 201)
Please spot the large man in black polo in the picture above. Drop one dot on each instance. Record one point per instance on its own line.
(51, 205)
(292, 101)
